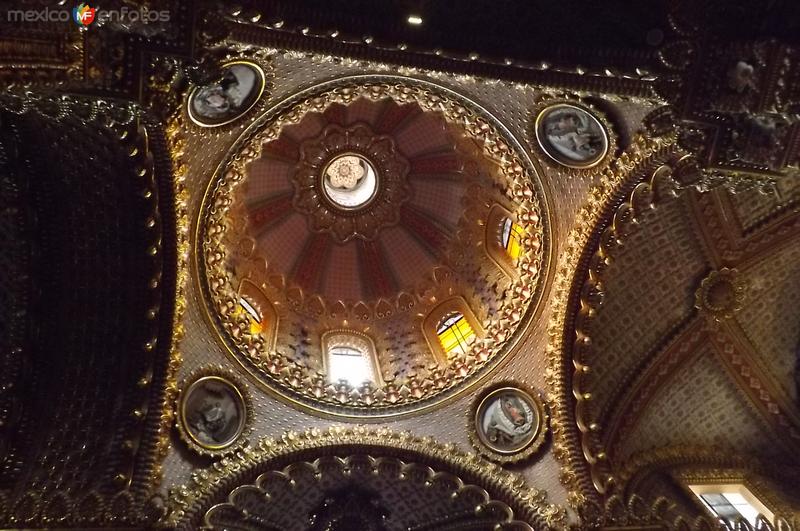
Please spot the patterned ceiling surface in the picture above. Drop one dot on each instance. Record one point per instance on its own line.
(700, 404)
(356, 198)
(510, 104)
(668, 368)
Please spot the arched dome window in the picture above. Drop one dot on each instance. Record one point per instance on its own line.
(255, 305)
(510, 238)
(451, 328)
(504, 239)
(455, 333)
(350, 356)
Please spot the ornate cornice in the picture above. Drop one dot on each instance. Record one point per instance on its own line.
(187, 503)
(251, 27)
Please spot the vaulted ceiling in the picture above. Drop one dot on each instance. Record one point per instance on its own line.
(655, 308)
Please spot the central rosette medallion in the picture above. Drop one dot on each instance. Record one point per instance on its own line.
(351, 182)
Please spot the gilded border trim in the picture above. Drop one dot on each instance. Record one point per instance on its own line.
(262, 80)
(185, 502)
(547, 102)
(527, 189)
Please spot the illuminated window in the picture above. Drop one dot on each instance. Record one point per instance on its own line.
(731, 502)
(504, 237)
(350, 356)
(256, 307)
(255, 317)
(450, 329)
(510, 238)
(455, 333)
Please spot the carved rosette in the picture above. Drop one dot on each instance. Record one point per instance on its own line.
(392, 189)
(720, 294)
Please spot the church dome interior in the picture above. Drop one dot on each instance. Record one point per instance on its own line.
(400, 266)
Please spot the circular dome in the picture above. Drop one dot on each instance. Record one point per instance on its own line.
(369, 249)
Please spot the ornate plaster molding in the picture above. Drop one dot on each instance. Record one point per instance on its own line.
(188, 503)
(635, 174)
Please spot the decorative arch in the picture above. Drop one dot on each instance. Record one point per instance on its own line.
(450, 327)
(612, 218)
(346, 456)
(584, 469)
(350, 343)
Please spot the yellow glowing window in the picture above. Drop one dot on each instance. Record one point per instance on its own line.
(511, 238)
(256, 321)
(455, 333)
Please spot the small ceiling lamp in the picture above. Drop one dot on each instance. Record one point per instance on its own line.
(414, 20)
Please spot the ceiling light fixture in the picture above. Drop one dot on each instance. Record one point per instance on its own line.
(414, 20)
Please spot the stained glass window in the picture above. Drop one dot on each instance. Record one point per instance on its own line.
(349, 364)
(511, 238)
(256, 320)
(455, 333)
(731, 502)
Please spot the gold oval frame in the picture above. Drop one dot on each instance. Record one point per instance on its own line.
(260, 75)
(535, 309)
(546, 105)
(239, 390)
(478, 438)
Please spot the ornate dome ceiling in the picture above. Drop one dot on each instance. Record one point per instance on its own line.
(394, 220)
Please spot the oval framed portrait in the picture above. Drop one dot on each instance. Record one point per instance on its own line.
(214, 412)
(573, 135)
(509, 423)
(226, 100)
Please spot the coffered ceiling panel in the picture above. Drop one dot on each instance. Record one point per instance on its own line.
(649, 287)
(770, 315)
(700, 406)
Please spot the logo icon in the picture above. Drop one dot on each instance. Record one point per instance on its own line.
(83, 14)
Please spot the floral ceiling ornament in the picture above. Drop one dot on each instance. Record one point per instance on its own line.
(342, 156)
(721, 294)
(345, 172)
